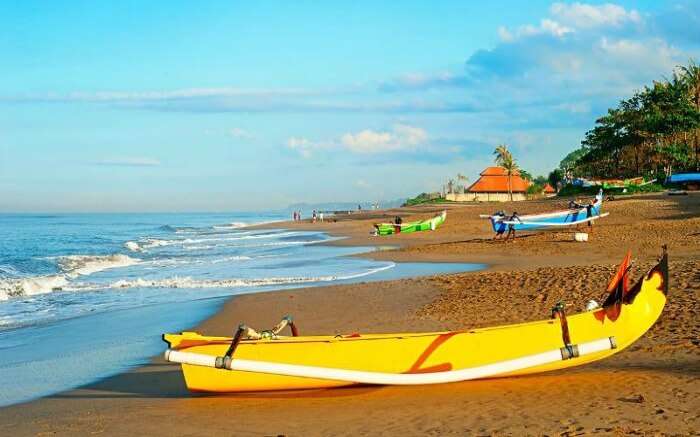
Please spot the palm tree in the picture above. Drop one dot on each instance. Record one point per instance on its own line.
(461, 177)
(505, 160)
(691, 76)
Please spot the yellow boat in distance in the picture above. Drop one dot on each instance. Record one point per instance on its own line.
(266, 361)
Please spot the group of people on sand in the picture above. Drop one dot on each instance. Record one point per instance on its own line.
(315, 216)
(511, 226)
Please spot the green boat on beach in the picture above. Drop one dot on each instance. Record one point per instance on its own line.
(419, 225)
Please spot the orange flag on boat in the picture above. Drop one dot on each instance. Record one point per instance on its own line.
(618, 288)
(621, 277)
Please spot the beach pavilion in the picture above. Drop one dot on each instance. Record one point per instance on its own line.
(492, 186)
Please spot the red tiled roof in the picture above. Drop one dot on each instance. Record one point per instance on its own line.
(497, 171)
(499, 184)
(548, 189)
(495, 180)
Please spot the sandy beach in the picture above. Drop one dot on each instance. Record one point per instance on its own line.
(650, 389)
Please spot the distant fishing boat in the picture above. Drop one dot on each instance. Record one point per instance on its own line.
(419, 225)
(577, 215)
(252, 361)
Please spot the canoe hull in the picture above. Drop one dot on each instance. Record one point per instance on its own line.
(424, 352)
(417, 226)
(553, 219)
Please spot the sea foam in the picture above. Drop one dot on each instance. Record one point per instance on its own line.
(188, 282)
(17, 287)
(82, 265)
(72, 266)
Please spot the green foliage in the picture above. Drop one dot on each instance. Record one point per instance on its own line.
(555, 176)
(424, 198)
(570, 161)
(537, 186)
(655, 131)
(535, 189)
(574, 190)
(648, 188)
(570, 190)
(525, 175)
(505, 160)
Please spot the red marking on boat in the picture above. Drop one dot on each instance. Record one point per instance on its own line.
(439, 341)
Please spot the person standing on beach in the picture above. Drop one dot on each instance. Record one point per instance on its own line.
(589, 215)
(500, 229)
(313, 216)
(511, 226)
(320, 216)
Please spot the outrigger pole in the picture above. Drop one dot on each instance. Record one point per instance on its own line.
(381, 378)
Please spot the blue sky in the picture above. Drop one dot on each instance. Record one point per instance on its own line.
(173, 106)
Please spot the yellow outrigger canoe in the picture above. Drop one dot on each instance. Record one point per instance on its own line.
(271, 362)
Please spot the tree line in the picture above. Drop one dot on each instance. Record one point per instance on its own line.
(654, 133)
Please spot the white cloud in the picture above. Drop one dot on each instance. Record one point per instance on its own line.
(400, 137)
(302, 146)
(365, 142)
(369, 141)
(567, 18)
(582, 16)
(240, 134)
(546, 27)
(576, 52)
(505, 35)
(652, 53)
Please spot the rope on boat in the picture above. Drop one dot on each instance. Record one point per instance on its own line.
(252, 334)
(382, 378)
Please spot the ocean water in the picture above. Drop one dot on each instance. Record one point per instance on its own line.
(84, 296)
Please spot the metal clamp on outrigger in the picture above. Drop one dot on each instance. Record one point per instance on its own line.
(249, 333)
(570, 350)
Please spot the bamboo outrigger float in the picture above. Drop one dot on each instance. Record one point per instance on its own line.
(252, 361)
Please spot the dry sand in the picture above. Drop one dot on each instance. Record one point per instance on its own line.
(651, 388)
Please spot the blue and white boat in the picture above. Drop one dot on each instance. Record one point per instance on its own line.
(569, 217)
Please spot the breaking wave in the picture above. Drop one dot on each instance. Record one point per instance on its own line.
(188, 282)
(8, 270)
(149, 243)
(72, 266)
(234, 225)
(168, 262)
(206, 242)
(178, 229)
(18, 287)
(75, 265)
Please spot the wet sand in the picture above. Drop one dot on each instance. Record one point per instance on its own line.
(651, 388)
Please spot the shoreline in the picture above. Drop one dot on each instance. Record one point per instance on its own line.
(665, 359)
